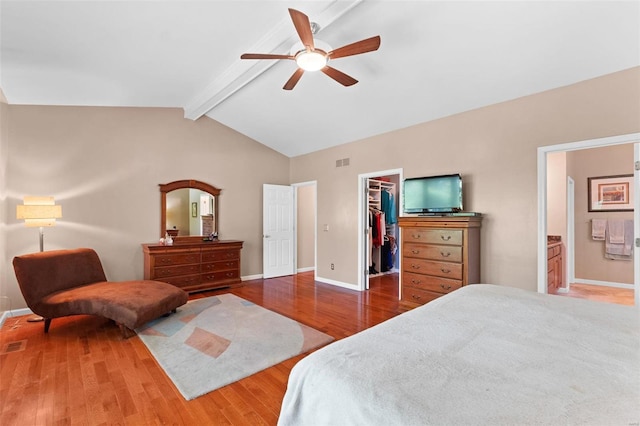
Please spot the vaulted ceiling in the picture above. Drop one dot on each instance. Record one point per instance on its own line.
(436, 58)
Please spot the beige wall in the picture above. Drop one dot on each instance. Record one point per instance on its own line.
(306, 202)
(590, 263)
(103, 165)
(557, 194)
(494, 148)
(4, 156)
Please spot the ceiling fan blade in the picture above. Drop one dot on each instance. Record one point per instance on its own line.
(362, 46)
(303, 27)
(293, 80)
(339, 76)
(264, 56)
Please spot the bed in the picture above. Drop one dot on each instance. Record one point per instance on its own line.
(482, 355)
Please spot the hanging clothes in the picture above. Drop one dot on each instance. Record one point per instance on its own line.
(388, 204)
(377, 226)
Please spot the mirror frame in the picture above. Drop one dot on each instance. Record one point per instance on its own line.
(186, 184)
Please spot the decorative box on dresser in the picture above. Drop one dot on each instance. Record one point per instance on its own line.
(439, 254)
(194, 265)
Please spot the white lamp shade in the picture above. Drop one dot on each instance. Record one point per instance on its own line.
(39, 211)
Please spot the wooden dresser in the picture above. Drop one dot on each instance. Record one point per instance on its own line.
(194, 266)
(438, 256)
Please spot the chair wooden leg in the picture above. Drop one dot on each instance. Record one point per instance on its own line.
(126, 331)
(47, 323)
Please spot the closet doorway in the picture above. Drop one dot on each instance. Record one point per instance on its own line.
(379, 208)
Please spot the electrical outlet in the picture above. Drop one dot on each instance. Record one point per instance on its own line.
(332, 266)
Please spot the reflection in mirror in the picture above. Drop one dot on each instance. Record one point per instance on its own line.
(190, 212)
(189, 208)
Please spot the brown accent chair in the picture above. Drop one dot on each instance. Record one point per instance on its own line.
(72, 282)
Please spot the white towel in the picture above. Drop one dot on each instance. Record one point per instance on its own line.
(598, 227)
(615, 230)
(622, 251)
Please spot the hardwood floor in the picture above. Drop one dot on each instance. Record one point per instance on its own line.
(621, 296)
(82, 372)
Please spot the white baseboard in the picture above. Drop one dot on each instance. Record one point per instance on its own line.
(337, 283)
(260, 276)
(251, 277)
(14, 313)
(603, 283)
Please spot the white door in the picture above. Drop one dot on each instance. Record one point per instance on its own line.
(277, 231)
(636, 225)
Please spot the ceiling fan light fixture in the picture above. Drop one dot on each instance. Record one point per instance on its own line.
(311, 60)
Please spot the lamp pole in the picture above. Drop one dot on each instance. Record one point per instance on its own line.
(41, 239)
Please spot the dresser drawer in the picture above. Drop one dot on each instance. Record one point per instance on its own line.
(431, 283)
(433, 236)
(183, 280)
(194, 265)
(176, 259)
(417, 296)
(220, 276)
(169, 271)
(430, 267)
(224, 265)
(214, 255)
(433, 252)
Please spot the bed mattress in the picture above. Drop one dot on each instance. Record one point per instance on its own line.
(482, 355)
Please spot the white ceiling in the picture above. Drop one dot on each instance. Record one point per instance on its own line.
(436, 58)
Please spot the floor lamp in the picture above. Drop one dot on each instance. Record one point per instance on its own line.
(39, 212)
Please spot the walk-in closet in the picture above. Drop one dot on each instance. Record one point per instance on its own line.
(382, 246)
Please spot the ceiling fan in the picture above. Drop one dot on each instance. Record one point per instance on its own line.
(310, 57)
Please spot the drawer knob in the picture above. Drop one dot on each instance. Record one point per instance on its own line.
(415, 236)
(445, 287)
(445, 237)
(414, 281)
(415, 297)
(414, 251)
(445, 254)
(413, 266)
(445, 271)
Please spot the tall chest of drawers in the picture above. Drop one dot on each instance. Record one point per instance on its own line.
(438, 256)
(194, 266)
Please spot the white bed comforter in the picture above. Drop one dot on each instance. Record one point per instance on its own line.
(482, 355)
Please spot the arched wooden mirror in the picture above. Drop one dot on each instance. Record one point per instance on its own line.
(188, 208)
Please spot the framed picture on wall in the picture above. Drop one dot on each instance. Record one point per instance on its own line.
(610, 193)
(194, 209)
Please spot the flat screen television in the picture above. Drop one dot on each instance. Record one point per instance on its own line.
(433, 194)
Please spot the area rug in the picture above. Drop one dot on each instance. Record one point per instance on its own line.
(218, 340)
